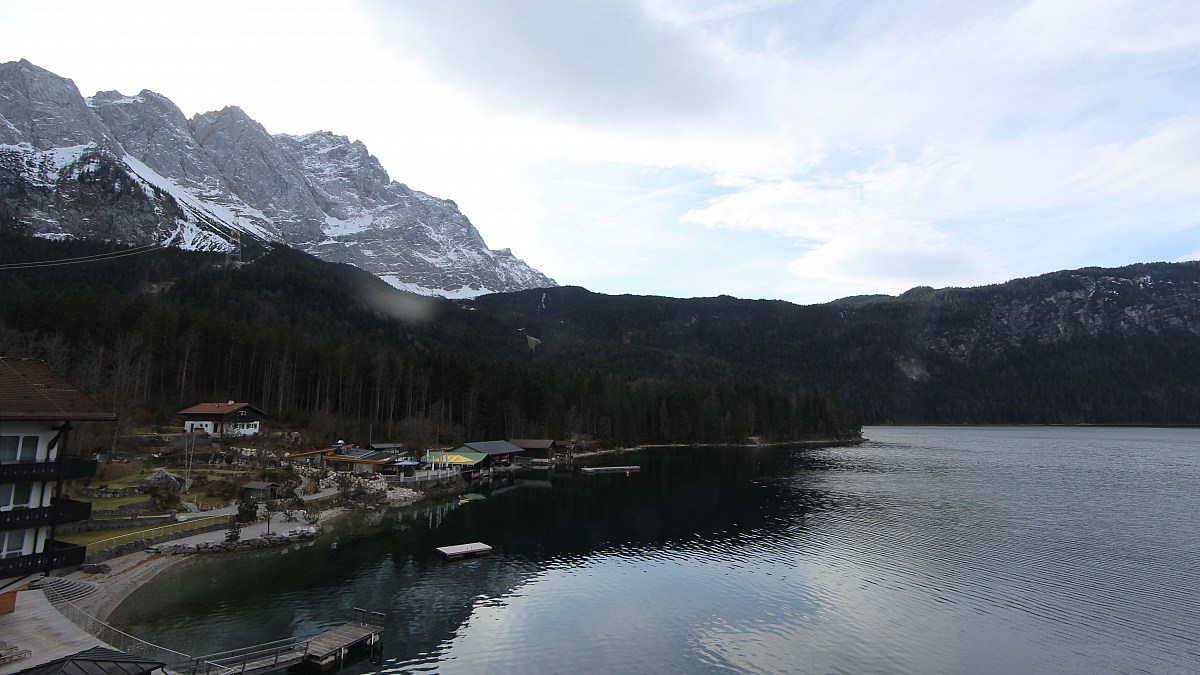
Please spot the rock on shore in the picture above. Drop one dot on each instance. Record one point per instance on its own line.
(263, 541)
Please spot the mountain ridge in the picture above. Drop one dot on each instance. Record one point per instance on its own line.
(1087, 346)
(318, 340)
(318, 192)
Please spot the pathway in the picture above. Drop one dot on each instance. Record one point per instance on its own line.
(37, 626)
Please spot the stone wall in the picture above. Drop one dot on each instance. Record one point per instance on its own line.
(143, 544)
(133, 509)
(110, 492)
(264, 541)
(112, 523)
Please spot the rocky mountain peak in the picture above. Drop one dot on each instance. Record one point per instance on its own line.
(320, 192)
(46, 111)
(153, 129)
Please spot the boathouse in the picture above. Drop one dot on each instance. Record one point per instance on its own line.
(498, 453)
(537, 449)
(468, 464)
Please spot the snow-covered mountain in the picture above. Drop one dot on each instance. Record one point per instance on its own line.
(135, 169)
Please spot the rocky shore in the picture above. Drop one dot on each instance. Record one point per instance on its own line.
(266, 540)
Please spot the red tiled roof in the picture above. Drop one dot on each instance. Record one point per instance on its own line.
(32, 390)
(217, 409)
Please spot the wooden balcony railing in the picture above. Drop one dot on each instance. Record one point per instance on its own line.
(21, 472)
(56, 555)
(61, 511)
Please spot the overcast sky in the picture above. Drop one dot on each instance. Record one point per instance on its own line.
(802, 150)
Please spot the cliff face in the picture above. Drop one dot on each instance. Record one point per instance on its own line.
(1070, 307)
(318, 192)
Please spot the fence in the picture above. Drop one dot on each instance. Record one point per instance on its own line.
(165, 532)
(119, 639)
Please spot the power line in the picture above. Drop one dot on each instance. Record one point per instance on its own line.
(137, 250)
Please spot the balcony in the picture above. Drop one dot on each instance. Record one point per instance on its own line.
(25, 472)
(58, 554)
(61, 511)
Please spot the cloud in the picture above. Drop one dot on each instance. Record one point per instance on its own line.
(1160, 165)
(597, 60)
(788, 149)
(858, 234)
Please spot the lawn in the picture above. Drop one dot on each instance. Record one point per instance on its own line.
(90, 539)
(111, 503)
(93, 536)
(205, 501)
(120, 474)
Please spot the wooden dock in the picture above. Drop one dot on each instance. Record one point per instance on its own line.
(326, 651)
(464, 550)
(610, 469)
(330, 648)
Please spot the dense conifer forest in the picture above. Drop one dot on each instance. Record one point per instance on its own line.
(1092, 346)
(336, 351)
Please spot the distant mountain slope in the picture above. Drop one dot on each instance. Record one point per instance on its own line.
(1102, 346)
(330, 348)
(319, 341)
(134, 169)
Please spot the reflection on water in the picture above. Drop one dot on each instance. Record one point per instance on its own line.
(924, 550)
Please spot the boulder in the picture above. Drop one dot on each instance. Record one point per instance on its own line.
(165, 480)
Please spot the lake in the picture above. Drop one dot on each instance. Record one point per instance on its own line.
(931, 549)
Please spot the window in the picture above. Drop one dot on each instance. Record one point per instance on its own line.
(12, 543)
(18, 448)
(15, 496)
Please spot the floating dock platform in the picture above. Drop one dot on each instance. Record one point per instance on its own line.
(464, 550)
(610, 469)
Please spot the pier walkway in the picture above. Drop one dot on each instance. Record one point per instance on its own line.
(60, 618)
(325, 651)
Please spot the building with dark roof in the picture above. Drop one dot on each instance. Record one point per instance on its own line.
(499, 453)
(37, 407)
(97, 661)
(349, 457)
(537, 448)
(260, 490)
(222, 419)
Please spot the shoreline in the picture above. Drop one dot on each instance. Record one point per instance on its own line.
(130, 571)
(807, 443)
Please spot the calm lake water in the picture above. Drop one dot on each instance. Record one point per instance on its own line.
(988, 550)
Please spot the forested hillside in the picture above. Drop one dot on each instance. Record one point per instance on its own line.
(1092, 346)
(335, 350)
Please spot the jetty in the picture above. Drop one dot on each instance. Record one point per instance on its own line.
(326, 651)
(610, 469)
(464, 550)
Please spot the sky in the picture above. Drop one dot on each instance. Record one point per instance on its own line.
(801, 150)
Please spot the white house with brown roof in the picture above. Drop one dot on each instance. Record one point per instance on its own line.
(37, 407)
(222, 419)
